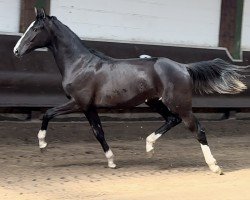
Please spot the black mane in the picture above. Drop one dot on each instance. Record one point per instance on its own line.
(98, 53)
(91, 50)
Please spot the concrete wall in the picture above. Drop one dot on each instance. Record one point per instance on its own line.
(245, 42)
(9, 16)
(192, 22)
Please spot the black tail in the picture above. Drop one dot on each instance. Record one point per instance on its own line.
(216, 76)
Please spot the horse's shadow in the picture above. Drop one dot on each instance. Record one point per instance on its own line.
(155, 164)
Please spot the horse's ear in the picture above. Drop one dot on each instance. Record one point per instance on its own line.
(36, 11)
(43, 14)
(40, 13)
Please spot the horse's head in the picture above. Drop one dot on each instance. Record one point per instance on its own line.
(37, 35)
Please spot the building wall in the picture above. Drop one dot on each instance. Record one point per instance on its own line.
(9, 16)
(192, 22)
(245, 40)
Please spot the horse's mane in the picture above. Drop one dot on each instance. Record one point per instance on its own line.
(91, 50)
(98, 53)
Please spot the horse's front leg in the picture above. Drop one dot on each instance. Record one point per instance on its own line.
(96, 125)
(69, 107)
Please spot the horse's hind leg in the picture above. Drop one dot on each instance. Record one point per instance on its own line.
(69, 107)
(96, 125)
(171, 120)
(194, 126)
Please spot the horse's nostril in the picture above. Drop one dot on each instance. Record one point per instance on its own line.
(16, 52)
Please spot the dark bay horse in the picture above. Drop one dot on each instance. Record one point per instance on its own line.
(93, 80)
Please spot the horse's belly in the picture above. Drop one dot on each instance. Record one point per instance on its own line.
(123, 98)
(127, 89)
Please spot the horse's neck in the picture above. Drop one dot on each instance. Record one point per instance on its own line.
(68, 49)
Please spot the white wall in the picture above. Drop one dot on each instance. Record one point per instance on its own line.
(245, 38)
(9, 16)
(188, 22)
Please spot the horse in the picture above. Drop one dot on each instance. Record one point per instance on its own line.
(93, 80)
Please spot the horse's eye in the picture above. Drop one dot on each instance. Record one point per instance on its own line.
(35, 29)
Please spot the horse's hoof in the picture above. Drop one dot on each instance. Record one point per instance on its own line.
(43, 150)
(42, 144)
(216, 169)
(112, 165)
(150, 149)
(150, 154)
(149, 146)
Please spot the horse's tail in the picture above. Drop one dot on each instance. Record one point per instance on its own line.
(216, 76)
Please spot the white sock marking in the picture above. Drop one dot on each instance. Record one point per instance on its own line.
(145, 56)
(110, 156)
(151, 140)
(210, 160)
(41, 138)
(19, 41)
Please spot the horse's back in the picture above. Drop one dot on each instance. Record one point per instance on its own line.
(173, 70)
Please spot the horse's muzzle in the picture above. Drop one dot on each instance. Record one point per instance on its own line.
(16, 52)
